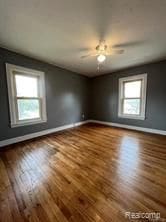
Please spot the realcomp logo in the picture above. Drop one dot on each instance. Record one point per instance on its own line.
(153, 216)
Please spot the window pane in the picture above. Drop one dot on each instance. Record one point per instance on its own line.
(131, 106)
(26, 86)
(132, 89)
(28, 109)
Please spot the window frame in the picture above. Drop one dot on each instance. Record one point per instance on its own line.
(11, 71)
(122, 81)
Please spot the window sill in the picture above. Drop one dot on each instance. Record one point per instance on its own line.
(27, 123)
(132, 117)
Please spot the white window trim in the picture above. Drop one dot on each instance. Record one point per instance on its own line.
(14, 122)
(142, 77)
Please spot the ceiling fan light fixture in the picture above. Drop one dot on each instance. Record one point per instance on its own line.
(101, 58)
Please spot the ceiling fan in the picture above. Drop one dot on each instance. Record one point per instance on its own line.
(102, 51)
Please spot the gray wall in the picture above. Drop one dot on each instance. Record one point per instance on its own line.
(104, 95)
(67, 96)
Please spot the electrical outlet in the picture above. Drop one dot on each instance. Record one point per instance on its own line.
(83, 116)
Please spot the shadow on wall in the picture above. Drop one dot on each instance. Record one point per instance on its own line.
(69, 101)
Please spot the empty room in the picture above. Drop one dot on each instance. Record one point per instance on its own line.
(83, 111)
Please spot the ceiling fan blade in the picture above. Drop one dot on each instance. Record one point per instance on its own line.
(115, 51)
(85, 56)
(129, 44)
(89, 55)
(118, 51)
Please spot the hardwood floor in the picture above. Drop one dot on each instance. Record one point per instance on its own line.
(90, 173)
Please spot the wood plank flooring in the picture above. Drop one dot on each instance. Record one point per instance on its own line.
(90, 173)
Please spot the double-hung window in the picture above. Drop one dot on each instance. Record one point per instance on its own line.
(132, 97)
(26, 92)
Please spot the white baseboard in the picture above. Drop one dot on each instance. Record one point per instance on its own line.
(41, 133)
(57, 129)
(148, 130)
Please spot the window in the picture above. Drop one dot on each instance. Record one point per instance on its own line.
(26, 91)
(132, 97)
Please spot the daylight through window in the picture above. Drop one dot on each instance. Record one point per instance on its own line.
(132, 96)
(26, 95)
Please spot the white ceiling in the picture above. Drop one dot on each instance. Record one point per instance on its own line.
(61, 31)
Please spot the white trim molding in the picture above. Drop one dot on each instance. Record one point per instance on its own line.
(61, 128)
(11, 72)
(41, 133)
(142, 129)
(142, 97)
